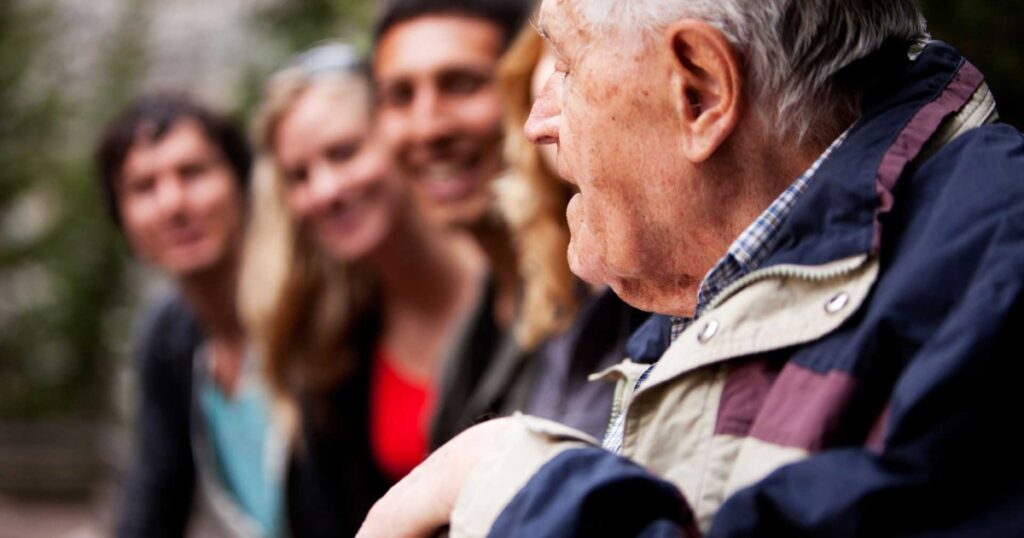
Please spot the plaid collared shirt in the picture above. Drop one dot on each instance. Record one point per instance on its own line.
(744, 256)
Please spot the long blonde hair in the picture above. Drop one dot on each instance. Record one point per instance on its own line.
(533, 201)
(301, 307)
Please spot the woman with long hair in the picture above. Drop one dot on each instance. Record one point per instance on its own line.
(571, 328)
(349, 294)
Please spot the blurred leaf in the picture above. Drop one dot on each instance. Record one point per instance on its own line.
(58, 285)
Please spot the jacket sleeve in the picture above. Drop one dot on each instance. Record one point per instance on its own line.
(547, 480)
(946, 465)
(158, 490)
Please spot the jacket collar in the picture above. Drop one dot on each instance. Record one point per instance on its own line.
(843, 212)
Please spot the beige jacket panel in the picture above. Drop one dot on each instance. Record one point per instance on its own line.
(670, 422)
(770, 314)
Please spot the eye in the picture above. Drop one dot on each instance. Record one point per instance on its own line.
(296, 175)
(193, 169)
(140, 185)
(462, 82)
(341, 152)
(397, 95)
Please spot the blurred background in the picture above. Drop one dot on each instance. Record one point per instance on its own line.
(69, 296)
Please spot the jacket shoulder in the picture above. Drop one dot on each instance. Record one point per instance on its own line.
(974, 182)
(990, 154)
(169, 336)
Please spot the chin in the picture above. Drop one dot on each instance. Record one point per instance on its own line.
(587, 268)
(192, 266)
(674, 299)
(586, 274)
(462, 214)
(347, 252)
(633, 294)
(357, 248)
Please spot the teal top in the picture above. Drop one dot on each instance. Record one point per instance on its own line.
(244, 444)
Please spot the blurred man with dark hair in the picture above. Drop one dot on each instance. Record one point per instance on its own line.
(174, 176)
(435, 65)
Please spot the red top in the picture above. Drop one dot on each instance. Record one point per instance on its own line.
(400, 410)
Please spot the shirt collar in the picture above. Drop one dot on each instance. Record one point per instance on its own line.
(753, 245)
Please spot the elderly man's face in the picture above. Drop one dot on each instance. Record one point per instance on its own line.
(608, 108)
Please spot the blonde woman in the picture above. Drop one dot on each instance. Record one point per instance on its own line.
(572, 329)
(348, 293)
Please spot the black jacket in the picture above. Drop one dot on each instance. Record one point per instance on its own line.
(332, 479)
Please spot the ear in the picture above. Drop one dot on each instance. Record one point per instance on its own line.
(707, 82)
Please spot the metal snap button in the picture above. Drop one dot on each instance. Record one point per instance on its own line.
(708, 332)
(837, 303)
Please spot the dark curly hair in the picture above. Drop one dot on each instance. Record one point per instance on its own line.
(153, 116)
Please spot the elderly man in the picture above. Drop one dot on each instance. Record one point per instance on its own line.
(820, 199)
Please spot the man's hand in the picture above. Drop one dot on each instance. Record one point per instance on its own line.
(422, 502)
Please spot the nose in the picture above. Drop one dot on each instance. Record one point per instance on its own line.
(429, 121)
(545, 116)
(326, 185)
(170, 196)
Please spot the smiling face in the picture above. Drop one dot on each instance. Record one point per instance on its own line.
(339, 184)
(440, 109)
(609, 109)
(179, 201)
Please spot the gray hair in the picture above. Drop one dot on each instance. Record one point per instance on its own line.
(805, 59)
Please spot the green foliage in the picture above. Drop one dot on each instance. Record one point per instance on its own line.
(22, 125)
(298, 24)
(60, 265)
(303, 22)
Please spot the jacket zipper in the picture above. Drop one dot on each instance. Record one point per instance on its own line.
(802, 272)
(617, 408)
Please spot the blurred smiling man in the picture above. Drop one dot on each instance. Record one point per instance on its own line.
(435, 64)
